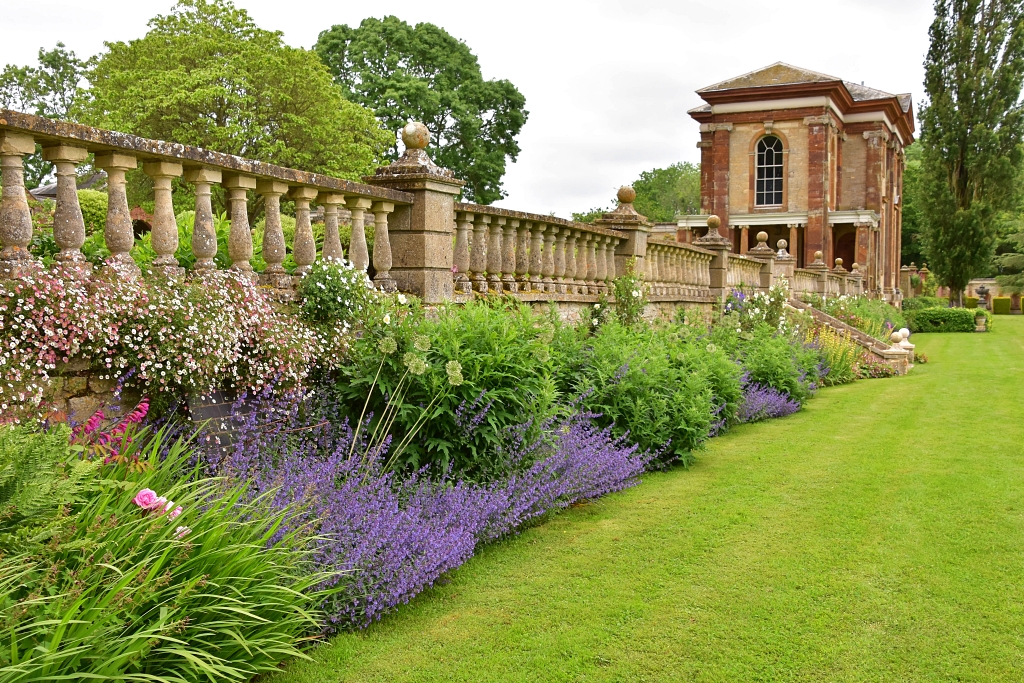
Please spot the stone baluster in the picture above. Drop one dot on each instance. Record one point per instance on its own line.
(118, 233)
(536, 257)
(478, 258)
(332, 250)
(382, 260)
(15, 217)
(508, 256)
(164, 235)
(463, 224)
(273, 236)
(240, 249)
(612, 243)
(523, 256)
(560, 286)
(593, 286)
(494, 254)
(68, 223)
(601, 255)
(572, 283)
(548, 268)
(204, 235)
(358, 252)
(677, 272)
(583, 274)
(303, 244)
(653, 275)
(670, 268)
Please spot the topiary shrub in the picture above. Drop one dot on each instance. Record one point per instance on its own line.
(1001, 305)
(970, 302)
(941, 320)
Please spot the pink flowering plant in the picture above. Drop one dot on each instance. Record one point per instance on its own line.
(214, 331)
(110, 445)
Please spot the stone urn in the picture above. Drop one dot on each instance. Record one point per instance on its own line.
(980, 322)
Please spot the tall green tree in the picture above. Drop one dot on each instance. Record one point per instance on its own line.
(971, 130)
(664, 193)
(406, 73)
(661, 194)
(48, 89)
(206, 75)
(913, 222)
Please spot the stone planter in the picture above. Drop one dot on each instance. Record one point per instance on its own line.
(980, 323)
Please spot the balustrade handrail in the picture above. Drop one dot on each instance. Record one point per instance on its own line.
(536, 218)
(45, 131)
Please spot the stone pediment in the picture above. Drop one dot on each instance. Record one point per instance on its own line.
(778, 73)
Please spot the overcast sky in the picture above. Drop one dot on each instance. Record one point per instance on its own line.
(607, 83)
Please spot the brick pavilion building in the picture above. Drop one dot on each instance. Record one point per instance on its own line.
(808, 158)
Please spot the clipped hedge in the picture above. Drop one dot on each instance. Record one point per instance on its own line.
(941, 320)
(919, 302)
(970, 302)
(1001, 305)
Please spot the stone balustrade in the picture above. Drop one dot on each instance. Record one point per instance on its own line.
(743, 272)
(532, 256)
(678, 272)
(426, 243)
(68, 145)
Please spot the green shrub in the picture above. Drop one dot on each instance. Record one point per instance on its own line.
(111, 591)
(872, 316)
(970, 302)
(94, 210)
(662, 385)
(335, 292)
(1001, 305)
(941, 320)
(919, 302)
(630, 292)
(504, 379)
(773, 359)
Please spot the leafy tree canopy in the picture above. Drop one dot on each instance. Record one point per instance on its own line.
(661, 194)
(422, 73)
(971, 130)
(206, 75)
(48, 89)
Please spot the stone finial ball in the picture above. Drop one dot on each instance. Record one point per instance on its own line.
(626, 194)
(839, 262)
(762, 237)
(781, 244)
(855, 266)
(895, 337)
(818, 255)
(714, 222)
(415, 135)
(905, 333)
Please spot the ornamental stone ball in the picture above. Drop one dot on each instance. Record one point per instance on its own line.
(762, 237)
(818, 256)
(415, 135)
(895, 337)
(626, 194)
(781, 244)
(714, 222)
(839, 263)
(905, 333)
(855, 267)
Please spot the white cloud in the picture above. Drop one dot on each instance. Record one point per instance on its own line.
(607, 83)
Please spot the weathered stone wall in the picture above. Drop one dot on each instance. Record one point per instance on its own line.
(78, 391)
(854, 173)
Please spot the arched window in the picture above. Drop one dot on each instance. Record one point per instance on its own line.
(769, 172)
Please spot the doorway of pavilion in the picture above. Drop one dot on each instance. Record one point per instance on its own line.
(844, 245)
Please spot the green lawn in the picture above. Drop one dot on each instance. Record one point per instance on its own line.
(878, 535)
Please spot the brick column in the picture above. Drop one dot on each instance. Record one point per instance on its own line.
(720, 161)
(816, 237)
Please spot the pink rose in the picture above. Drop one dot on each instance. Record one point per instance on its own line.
(182, 532)
(158, 504)
(174, 513)
(145, 499)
